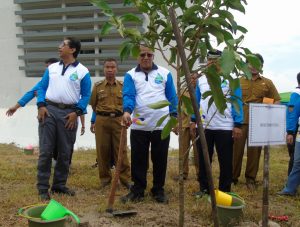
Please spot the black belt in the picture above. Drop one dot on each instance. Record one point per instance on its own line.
(61, 105)
(110, 114)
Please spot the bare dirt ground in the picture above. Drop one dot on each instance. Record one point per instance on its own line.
(18, 179)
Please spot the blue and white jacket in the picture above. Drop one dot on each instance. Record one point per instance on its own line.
(29, 95)
(293, 112)
(231, 117)
(67, 85)
(141, 89)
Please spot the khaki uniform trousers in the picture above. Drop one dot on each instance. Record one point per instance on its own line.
(108, 132)
(186, 142)
(253, 156)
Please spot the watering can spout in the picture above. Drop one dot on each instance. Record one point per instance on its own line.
(55, 210)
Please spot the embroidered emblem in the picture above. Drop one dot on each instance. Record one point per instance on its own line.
(74, 76)
(158, 79)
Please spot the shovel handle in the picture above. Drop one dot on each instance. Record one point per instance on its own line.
(111, 198)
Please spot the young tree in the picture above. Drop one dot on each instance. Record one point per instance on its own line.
(183, 32)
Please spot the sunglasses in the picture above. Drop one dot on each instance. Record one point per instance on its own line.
(149, 55)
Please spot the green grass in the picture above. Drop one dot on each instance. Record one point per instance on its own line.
(18, 179)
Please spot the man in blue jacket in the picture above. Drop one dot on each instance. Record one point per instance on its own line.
(145, 84)
(220, 129)
(292, 122)
(63, 95)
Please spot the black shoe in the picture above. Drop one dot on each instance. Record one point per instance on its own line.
(44, 195)
(235, 181)
(160, 197)
(131, 197)
(63, 191)
(285, 193)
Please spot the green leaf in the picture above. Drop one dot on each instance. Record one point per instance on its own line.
(130, 17)
(227, 61)
(217, 3)
(181, 4)
(132, 32)
(135, 51)
(125, 50)
(235, 104)
(173, 54)
(244, 67)
(168, 128)
(234, 84)
(241, 29)
(216, 33)
(206, 94)
(236, 4)
(214, 82)
(254, 61)
(187, 104)
(106, 28)
(161, 120)
(159, 104)
(102, 4)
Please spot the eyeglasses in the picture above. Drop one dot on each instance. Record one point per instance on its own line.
(149, 55)
(63, 44)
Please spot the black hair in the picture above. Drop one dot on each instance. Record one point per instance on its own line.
(110, 60)
(51, 60)
(74, 43)
(260, 58)
(298, 78)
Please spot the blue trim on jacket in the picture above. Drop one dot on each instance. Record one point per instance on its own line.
(170, 93)
(93, 118)
(129, 94)
(29, 95)
(293, 113)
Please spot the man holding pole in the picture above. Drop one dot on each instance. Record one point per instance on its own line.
(145, 84)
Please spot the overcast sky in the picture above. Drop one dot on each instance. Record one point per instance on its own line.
(274, 31)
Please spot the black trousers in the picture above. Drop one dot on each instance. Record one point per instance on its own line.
(223, 141)
(140, 142)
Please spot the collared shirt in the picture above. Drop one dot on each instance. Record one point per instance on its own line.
(141, 89)
(66, 84)
(107, 97)
(253, 91)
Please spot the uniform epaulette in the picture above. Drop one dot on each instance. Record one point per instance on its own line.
(120, 81)
(99, 82)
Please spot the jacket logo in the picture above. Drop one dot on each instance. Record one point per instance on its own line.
(158, 79)
(74, 76)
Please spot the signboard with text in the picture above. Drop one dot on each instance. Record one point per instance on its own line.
(267, 124)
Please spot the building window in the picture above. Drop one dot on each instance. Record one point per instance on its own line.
(46, 22)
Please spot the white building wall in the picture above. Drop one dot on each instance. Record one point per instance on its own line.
(21, 128)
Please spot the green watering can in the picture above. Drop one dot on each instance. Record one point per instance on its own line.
(55, 210)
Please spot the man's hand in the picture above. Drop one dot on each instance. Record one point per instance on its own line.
(236, 133)
(92, 128)
(12, 110)
(71, 120)
(82, 130)
(175, 130)
(42, 114)
(126, 119)
(289, 139)
(193, 129)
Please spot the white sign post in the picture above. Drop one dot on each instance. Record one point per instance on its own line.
(267, 124)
